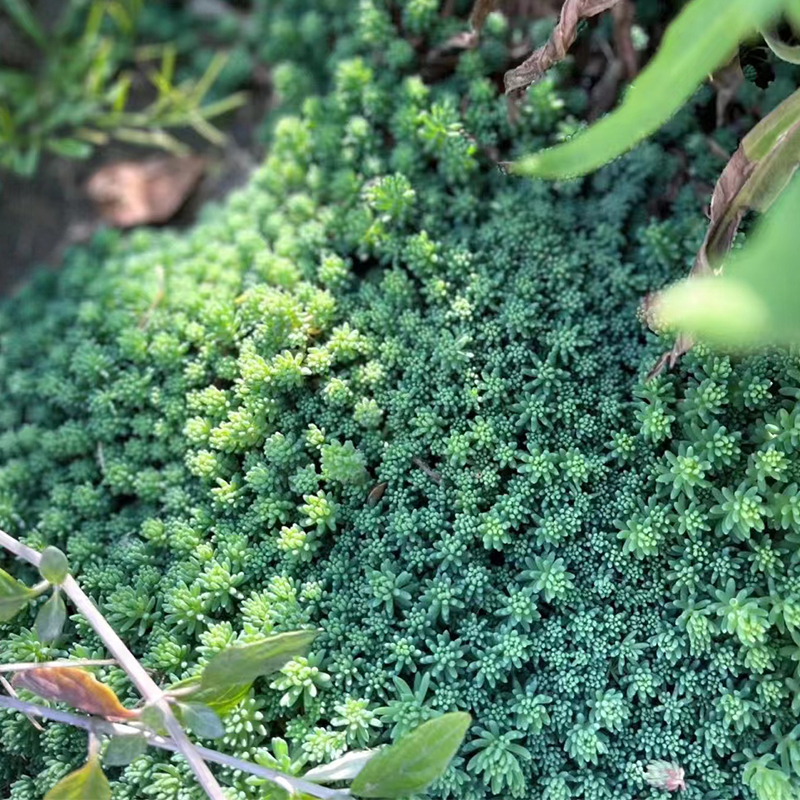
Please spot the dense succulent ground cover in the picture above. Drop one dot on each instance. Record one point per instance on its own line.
(390, 391)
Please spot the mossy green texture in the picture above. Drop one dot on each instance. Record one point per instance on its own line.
(391, 392)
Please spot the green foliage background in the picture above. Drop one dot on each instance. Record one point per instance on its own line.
(390, 391)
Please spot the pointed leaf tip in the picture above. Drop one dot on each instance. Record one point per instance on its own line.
(242, 664)
(86, 783)
(14, 596)
(415, 761)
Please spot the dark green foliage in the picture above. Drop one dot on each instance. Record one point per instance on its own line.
(392, 393)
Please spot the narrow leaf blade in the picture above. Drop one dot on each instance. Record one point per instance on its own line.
(414, 762)
(701, 39)
(244, 663)
(83, 784)
(77, 688)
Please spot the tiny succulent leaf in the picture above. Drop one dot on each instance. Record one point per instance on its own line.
(75, 687)
(244, 663)
(415, 761)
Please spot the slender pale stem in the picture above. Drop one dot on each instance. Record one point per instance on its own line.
(96, 725)
(21, 666)
(143, 682)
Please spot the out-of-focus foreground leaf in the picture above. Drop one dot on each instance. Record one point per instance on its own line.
(703, 37)
(14, 596)
(756, 299)
(86, 783)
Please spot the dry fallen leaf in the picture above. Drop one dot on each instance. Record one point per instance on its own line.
(75, 687)
(535, 66)
(132, 193)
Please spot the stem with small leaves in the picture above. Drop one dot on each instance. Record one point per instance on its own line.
(138, 675)
(96, 725)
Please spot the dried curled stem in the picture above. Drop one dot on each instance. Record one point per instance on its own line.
(562, 38)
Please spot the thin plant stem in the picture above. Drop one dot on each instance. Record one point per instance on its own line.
(21, 666)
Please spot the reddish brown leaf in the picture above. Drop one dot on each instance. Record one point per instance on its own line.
(77, 688)
(144, 192)
(535, 66)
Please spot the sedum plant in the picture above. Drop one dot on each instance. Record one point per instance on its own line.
(389, 392)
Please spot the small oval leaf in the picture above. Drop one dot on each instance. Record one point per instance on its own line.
(201, 720)
(244, 663)
(14, 596)
(77, 688)
(51, 618)
(123, 749)
(54, 566)
(415, 761)
(83, 784)
(153, 718)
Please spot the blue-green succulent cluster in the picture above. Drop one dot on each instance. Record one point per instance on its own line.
(392, 392)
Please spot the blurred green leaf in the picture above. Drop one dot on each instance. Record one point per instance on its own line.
(152, 717)
(244, 663)
(123, 749)
(69, 148)
(21, 13)
(86, 783)
(702, 38)
(54, 566)
(757, 297)
(51, 618)
(415, 761)
(787, 52)
(14, 596)
(201, 720)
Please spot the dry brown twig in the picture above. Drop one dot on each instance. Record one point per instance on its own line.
(561, 39)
